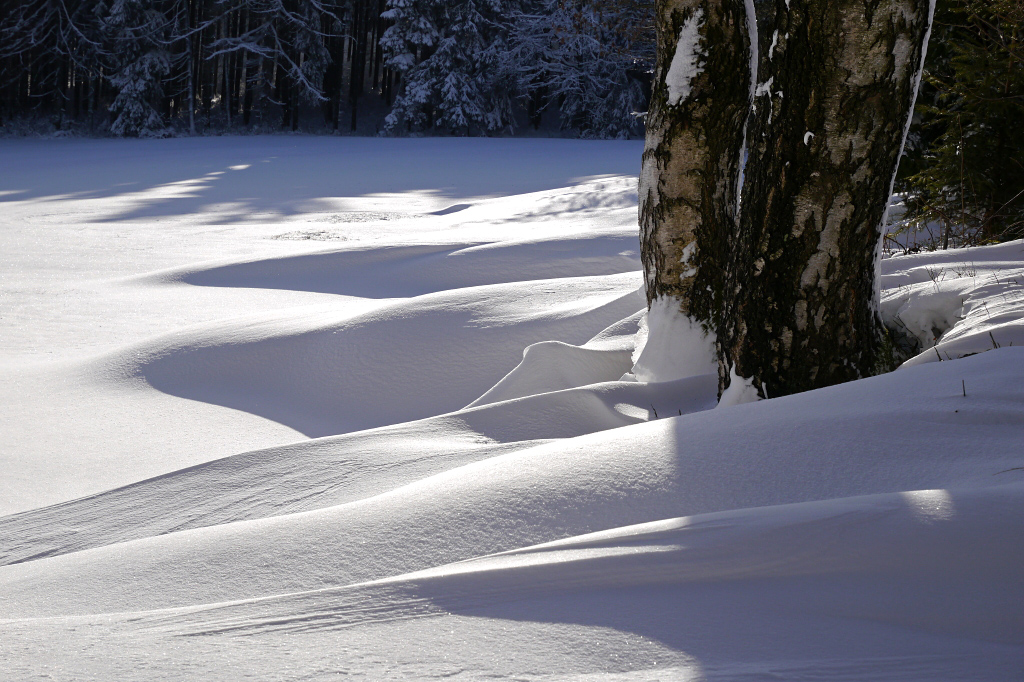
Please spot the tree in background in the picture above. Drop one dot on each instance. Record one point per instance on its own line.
(228, 61)
(51, 60)
(136, 32)
(436, 65)
(450, 55)
(589, 60)
(966, 166)
(292, 37)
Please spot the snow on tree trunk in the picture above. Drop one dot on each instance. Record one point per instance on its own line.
(693, 152)
(834, 99)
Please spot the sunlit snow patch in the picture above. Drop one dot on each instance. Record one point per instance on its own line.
(956, 302)
(740, 391)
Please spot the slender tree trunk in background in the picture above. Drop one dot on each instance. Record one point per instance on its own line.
(208, 83)
(389, 85)
(692, 155)
(63, 91)
(358, 65)
(374, 45)
(281, 92)
(95, 96)
(238, 60)
(833, 102)
(244, 86)
(90, 86)
(76, 92)
(218, 68)
(191, 89)
(338, 96)
(295, 97)
(228, 74)
(251, 93)
(281, 95)
(201, 73)
(247, 98)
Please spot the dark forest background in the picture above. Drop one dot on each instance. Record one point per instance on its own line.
(156, 67)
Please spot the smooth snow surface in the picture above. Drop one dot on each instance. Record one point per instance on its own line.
(316, 409)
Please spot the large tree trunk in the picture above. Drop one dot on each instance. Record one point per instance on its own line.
(690, 178)
(832, 107)
(692, 155)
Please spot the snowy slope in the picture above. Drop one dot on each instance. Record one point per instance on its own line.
(957, 302)
(374, 428)
(152, 256)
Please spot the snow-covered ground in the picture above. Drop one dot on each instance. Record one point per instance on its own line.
(295, 408)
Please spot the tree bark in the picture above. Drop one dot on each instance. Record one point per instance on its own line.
(357, 65)
(191, 74)
(244, 87)
(831, 113)
(692, 153)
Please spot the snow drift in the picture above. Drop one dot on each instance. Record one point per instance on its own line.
(436, 440)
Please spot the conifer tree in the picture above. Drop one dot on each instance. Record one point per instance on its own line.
(968, 164)
(292, 35)
(450, 54)
(589, 59)
(135, 30)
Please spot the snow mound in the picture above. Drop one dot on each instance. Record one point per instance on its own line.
(336, 470)
(939, 535)
(553, 366)
(165, 356)
(671, 345)
(322, 371)
(416, 269)
(693, 464)
(956, 303)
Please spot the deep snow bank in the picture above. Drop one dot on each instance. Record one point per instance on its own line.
(697, 463)
(958, 302)
(517, 511)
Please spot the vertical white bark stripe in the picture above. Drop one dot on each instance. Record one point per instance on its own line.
(687, 63)
(914, 88)
(753, 54)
